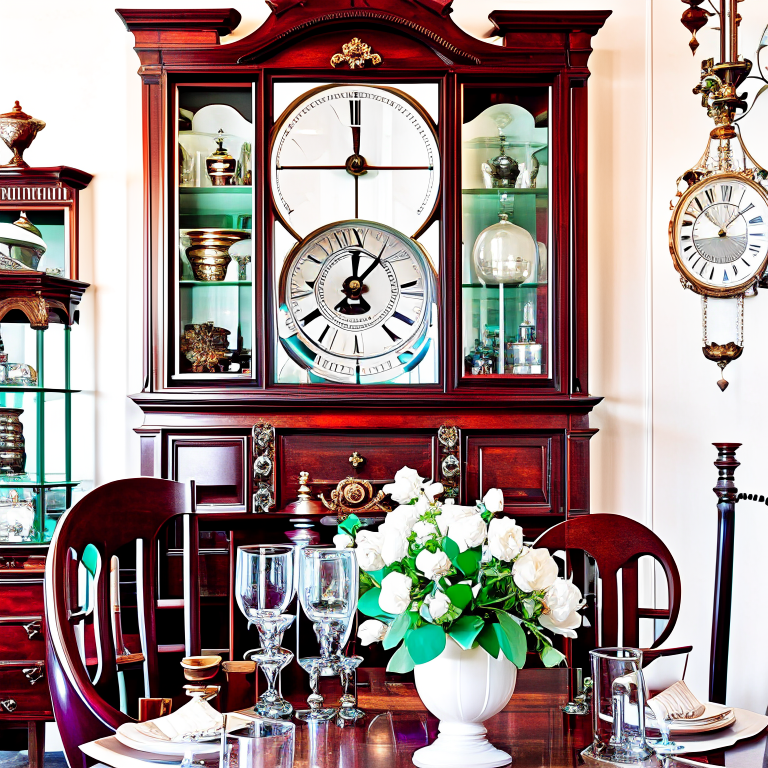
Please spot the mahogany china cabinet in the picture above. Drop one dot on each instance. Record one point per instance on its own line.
(39, 299)
(365, 247)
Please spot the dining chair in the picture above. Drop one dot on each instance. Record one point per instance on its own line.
(82, 657)
(616, 543)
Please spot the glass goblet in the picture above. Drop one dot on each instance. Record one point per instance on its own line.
(316, 712)
(328, 595)
(264, 587)
(348, 709)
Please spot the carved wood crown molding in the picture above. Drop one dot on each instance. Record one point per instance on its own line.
(364, 14)
(221, 20)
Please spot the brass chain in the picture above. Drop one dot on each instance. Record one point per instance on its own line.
(740, 321)
(704, 341)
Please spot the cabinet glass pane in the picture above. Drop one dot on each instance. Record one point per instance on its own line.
(355, 183)
(214, 275)
(35, 237)
(36, 479)
(506, 226)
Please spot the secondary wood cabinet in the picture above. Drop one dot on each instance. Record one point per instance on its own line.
(279, 340)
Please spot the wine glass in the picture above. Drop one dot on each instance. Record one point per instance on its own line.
(264, 587)
(328, 595)
(349, 709)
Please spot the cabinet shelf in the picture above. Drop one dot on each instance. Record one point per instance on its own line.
(514, 191)
(36, 390)
(506, 286)
(7, 484)
(242, 189)
(493, 142)
(214, 284)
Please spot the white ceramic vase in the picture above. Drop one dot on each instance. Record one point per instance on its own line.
(463, 689)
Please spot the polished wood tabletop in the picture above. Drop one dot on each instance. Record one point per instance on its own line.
(532, 728)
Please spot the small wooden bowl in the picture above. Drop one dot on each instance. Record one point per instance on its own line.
(200, 667)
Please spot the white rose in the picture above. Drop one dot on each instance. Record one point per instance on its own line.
(505, 538)
(535, 570)
(431, 490)
(433, 564)
(438, 604)
(343, 541)
(407, 486)
(402, 518)
(395, 546)
(424, 531)
(468, 531)
(395, 594)
(369, 544)
(372, 631)
(561, 601)
(450, 513)
(494, 500)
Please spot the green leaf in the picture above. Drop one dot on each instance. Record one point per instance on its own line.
(350, 525)
(369, 605)
(551, 656)
(425, 643)
(401, 661)
(397, 630)
(469, 561)
(488, 640)
(425, 614)
(451, 548)
(378, 576)
(518, 643)
(465, 629)
(460, 595)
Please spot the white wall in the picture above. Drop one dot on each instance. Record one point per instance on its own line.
(72, 64)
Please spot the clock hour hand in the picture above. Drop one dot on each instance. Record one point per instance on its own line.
(375, 263)
(355, 109)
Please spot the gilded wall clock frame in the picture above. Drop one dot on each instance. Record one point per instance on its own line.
(719, 223)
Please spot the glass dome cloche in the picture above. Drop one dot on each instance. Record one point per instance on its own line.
(504, 253)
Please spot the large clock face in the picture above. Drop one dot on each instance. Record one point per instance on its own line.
(356, 303)
(354, 151)
(719, 234)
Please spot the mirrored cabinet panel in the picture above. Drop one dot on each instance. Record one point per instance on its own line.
(506, 232)
(214, 270)
(356, 247)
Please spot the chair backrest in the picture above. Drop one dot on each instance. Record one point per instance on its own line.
(616, 543)
(82, 667)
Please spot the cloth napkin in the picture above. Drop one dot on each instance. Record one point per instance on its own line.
(676, 703)
(196, 718)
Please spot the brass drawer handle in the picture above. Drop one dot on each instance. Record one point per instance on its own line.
(355, 459)
(9, 705)
(33, 628)
(33, 674)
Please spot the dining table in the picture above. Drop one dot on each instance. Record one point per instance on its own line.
(532, 728)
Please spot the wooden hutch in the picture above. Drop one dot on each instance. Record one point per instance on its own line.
(276, 399)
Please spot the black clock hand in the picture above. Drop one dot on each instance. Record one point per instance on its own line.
(355, 263)
(375, 263)
(355, 109)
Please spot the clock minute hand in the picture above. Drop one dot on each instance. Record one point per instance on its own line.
(355, 109)
(373, 266)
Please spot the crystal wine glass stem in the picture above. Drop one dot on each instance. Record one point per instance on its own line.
(270, 672)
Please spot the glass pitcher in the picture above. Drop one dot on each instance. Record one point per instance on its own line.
(618, 709)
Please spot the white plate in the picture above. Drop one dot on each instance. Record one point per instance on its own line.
(129, 736)
(747, 724)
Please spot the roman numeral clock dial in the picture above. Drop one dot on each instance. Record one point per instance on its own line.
(355, 303)
(719, 234)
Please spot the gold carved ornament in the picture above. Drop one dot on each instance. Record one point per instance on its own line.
(352, 496)
(34, 308)
(356, 54)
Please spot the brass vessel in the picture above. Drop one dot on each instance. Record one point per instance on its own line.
(12, 453)
(221, 166)
(18, 131)
(208, 251)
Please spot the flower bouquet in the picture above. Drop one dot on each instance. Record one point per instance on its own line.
(436, 570)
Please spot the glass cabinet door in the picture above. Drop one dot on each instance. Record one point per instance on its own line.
(355, 186)
(213, 276)
(506, 232)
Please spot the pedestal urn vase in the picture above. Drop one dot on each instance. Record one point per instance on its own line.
(464, 689)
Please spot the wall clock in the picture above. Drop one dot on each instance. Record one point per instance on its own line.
(719, 234)
(355, 303)
(344, 152)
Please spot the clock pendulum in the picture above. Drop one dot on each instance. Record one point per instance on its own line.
(718, 234)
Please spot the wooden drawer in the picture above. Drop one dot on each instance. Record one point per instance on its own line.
(218, 467)
(21, 597)
(18, 643)
(326, 455)
(31, 699)
(527, 468)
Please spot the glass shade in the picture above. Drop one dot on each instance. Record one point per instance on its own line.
(504, 253)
